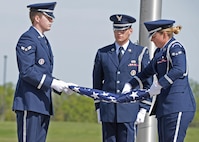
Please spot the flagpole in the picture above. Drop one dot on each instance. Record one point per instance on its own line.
(149, 10)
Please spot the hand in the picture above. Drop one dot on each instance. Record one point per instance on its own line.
(59, 85)
(141, 116)
(127, 88)
(68, 91)
(98, 116)
(155, 89)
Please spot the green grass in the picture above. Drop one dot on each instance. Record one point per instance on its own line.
(58, 132)
(73, 132)
(192, 135)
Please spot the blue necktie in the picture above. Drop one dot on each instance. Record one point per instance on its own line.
(120, 54)
(46, 41)
(47, 46)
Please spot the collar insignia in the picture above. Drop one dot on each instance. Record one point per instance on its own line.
(112, 49)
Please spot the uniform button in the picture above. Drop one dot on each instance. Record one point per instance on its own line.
(118, 91)
(118, 72)
(118, 82)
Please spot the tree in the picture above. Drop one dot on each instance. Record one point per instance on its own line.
(195, 89)
(6, 101)
(74, 108)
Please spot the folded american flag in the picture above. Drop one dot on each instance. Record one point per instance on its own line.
(95, 94)
(132, 96)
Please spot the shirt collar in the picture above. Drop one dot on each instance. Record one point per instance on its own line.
(124, 46)
(38, 32)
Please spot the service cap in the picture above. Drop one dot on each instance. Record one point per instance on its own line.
(157, 25)
(122, 21)
(46, 8)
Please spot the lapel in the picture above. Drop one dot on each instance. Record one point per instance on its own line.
(46, 47)
(158, 54)
(128, 53)
(161, 52)
(112, 54)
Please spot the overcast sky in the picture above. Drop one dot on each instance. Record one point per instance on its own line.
(82, 26)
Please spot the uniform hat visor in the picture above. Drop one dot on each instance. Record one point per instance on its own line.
(49, 14)
(122, 26)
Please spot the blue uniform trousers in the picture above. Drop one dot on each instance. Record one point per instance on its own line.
(172, 127)
(32, 126)
(118, 132)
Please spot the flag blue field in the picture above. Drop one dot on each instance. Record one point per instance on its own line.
(132, 96)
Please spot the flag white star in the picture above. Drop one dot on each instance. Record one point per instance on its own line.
(95, 95)
(134, 95)
(105, 94)
(112, 98)
(76, 89)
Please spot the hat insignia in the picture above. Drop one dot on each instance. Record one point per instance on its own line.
(119, 18)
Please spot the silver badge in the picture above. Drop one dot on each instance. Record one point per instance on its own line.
(133, 61)
(41, 61)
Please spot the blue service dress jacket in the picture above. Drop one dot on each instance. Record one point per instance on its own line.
(110, 75)
(35, 65)
(170, 66)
